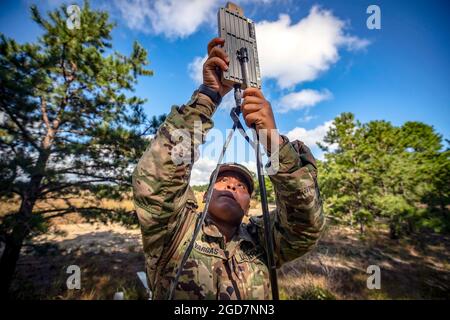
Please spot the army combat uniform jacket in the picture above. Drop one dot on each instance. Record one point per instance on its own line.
(167, 212)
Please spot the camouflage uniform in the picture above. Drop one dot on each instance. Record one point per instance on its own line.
(167, 212)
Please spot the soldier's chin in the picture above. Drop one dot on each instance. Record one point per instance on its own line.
(231, 213)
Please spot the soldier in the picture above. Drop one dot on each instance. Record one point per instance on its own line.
(228, 259)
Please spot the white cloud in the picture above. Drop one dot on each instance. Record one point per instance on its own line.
(134, 13)
(306, 118)
(201, 171)
(171, 18)
(195, 69)
(305, 98)
(250, 165)
(293, 53)
(312, 136)
(180, 18)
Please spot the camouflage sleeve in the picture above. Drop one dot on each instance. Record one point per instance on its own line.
(161, 189)
(298, 220)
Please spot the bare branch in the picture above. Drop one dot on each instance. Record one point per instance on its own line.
(62, 211)
(68, 185)
(44, 112)
(116, 180)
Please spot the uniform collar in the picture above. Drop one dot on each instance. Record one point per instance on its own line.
(210, 229)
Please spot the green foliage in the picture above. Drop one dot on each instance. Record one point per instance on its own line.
(154, 123)
(379, 171)
(70, 121)
(201, 188)
(269, 189)
(309, 292)
(316, 293)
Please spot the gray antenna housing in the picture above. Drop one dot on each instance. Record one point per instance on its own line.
(239, 32)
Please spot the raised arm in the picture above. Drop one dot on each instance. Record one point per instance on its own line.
(161, 179)
(298, 219)
(161, 191)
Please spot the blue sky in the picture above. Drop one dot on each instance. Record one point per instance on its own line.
(332, 62)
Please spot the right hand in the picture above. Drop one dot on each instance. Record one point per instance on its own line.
(217, 59)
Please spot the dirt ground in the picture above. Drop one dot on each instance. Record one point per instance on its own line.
(110, 255)
(414, 268)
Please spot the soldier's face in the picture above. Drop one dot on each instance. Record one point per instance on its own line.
(231, 199)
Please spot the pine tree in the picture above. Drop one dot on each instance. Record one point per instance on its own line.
(69, 122)
(381, 172)
(343, 176)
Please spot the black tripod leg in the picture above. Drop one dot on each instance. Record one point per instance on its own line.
(268, 234)
(201, 218)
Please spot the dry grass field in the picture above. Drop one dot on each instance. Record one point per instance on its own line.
(109, 256)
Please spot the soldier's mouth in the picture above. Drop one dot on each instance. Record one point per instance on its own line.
(228, 195)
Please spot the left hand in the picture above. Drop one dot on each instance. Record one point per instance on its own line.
(258, 111)
(216, 63)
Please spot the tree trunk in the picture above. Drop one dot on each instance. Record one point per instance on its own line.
(23, 223)
(20, 230)
(10, 256)
(13, 245)
(393, 234)
(361, 227)
(443, 206)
